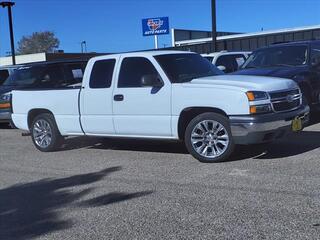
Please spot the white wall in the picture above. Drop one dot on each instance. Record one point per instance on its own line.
(28, 58)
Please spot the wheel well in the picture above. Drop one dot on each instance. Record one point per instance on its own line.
(189, 113)
(35, 112)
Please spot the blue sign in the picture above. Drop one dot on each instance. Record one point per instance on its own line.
(155, 26)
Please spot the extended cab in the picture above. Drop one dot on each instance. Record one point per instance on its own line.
(163, 95)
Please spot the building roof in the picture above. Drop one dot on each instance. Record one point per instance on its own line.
(245, 35)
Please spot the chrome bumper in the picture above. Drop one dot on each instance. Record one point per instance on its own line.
(5, 116)
(265, 128)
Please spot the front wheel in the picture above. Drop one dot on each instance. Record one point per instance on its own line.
(208, 138)
(45, 134)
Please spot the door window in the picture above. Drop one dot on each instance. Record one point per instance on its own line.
(101, 74)
(315, 55)
(52, 76)
(231, 62)
(4, 74)
(74, 72)
(132, 70)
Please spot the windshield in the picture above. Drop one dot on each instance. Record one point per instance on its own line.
(278, 56)
(185, 67)
(24, 76)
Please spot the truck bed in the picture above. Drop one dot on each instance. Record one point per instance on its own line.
(63, 103)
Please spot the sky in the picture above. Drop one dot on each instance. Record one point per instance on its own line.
(115, 25)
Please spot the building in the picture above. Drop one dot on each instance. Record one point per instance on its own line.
(242, 41)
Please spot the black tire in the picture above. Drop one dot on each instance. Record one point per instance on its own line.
(56, 138)
(212, 118)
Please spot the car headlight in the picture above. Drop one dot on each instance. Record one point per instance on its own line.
(5, 97)
(257, 95)
(262, 108)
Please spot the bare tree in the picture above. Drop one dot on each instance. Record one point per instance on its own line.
(38, 42)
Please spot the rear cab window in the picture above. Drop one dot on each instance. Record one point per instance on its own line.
(102, 73)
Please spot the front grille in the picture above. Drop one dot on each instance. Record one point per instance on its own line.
(285, 100)
(283, 94)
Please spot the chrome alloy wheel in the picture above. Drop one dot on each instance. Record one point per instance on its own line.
(42, 133)
(209, 138)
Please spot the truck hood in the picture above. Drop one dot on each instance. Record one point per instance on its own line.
(281, 72)
(244, 83)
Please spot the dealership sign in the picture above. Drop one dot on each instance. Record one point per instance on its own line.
(155, 26)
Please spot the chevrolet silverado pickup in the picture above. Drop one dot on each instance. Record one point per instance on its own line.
(168, 95)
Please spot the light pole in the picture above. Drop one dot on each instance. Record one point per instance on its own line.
(83, 46)
(214, 25)
(9, 5)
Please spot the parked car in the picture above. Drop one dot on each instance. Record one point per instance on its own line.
(162, 95)
(40, 75)
(227, 61)
(299, 61)
(5, 71)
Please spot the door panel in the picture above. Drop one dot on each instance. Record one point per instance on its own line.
(143, 110)
(97, 98)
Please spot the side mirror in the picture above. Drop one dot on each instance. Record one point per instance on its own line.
(222, 68)
(151, 80)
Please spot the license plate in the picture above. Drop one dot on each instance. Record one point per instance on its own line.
(296, 125)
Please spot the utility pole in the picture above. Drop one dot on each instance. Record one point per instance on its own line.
(9, 5)
(83, 47)
(214, 26)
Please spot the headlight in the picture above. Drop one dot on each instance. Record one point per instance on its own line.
(263, 108)
(257, 95)
(5, 97)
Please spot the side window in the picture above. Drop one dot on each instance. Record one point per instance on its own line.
(225, 61)
(210, 59)
(52, 76)
(101, 74)
(240, 59)
(315, 55)
(4, 74)
(132, 70)
(74, 72)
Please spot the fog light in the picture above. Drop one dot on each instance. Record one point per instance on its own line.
(264, 108)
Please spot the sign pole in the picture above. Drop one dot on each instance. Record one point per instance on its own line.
(156, 41)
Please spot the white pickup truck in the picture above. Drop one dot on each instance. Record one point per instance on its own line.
(163, 95)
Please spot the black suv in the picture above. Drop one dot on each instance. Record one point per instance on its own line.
(42, 75)
(299, 61)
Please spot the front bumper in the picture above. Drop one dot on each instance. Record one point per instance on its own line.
(5, 116)
(265, 128)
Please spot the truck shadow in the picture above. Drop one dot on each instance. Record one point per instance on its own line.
(293, 144)
(32, 209)
(125, 144)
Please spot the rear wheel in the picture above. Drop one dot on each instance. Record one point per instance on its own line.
(208, 138)
(45, 134)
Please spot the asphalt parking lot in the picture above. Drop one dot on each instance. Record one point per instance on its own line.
(110, 189)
